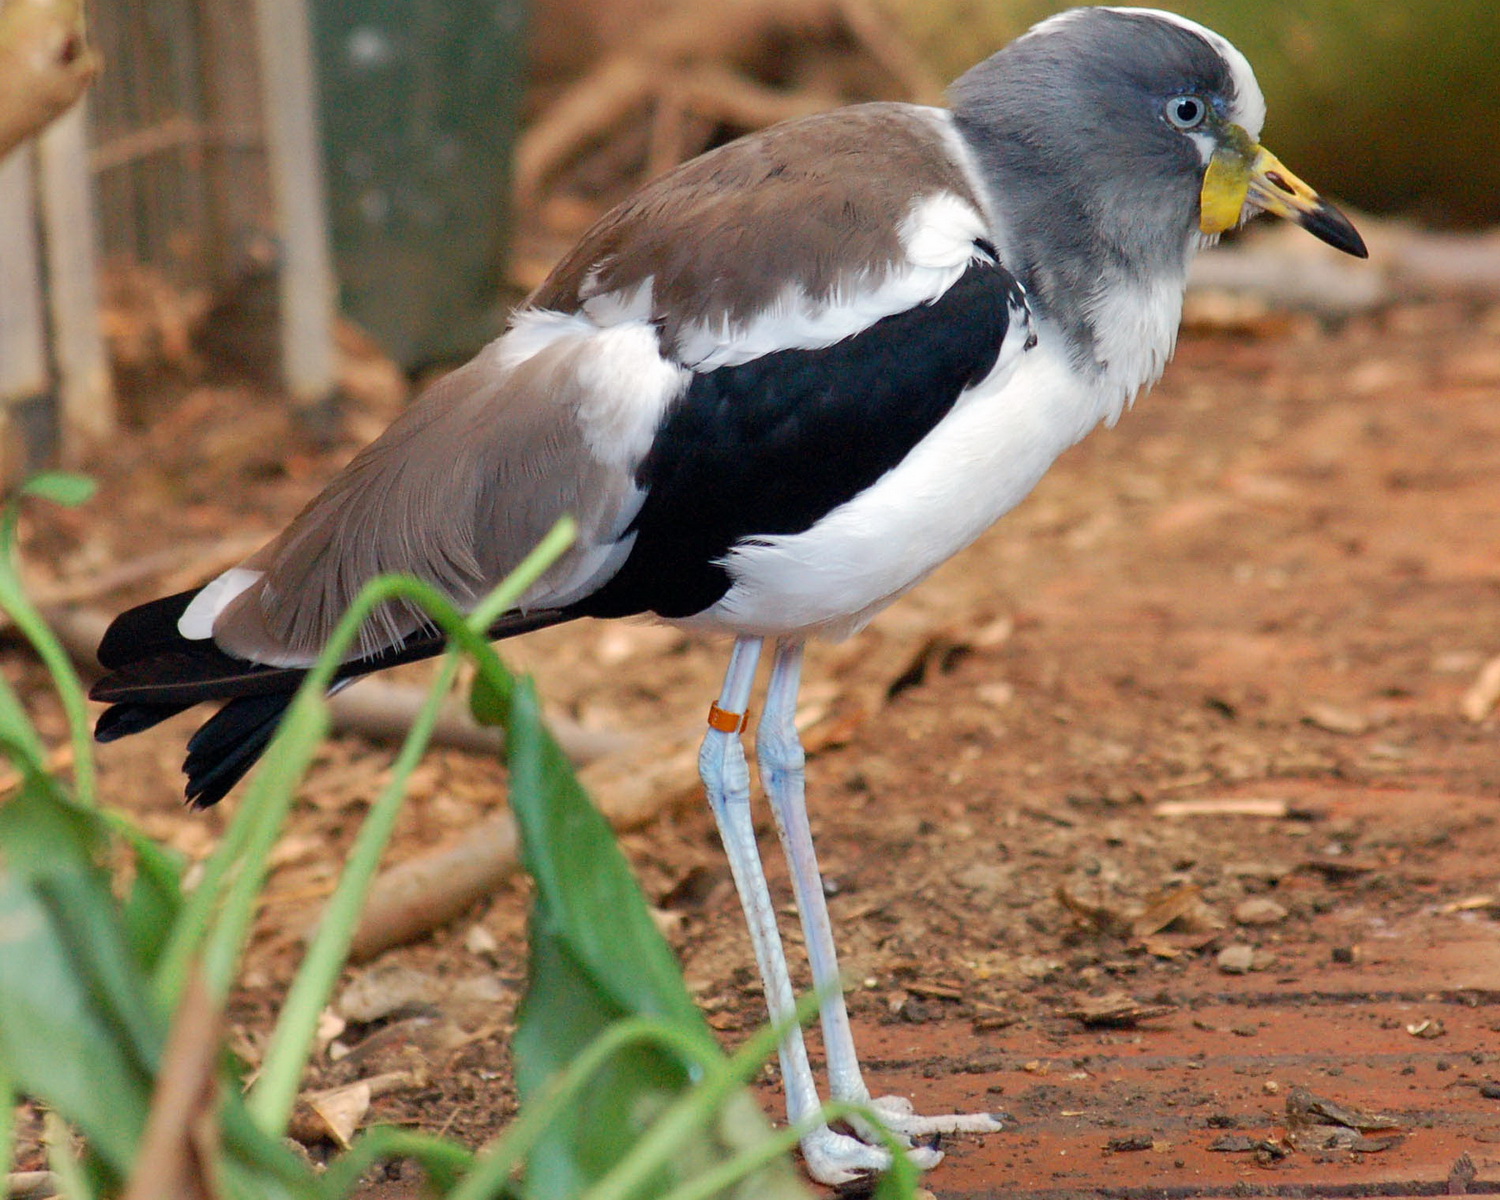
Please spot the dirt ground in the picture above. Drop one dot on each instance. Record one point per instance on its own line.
(1274, 582)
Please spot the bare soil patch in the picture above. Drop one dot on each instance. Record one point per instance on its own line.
(1273, 582)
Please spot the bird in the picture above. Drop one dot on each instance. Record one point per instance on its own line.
(775, 388)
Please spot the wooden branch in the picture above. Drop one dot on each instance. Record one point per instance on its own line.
(604, 97)
(690, 59)
(384, 712)
(45, 66)
(413, 898)
(714, 91)
(886, 45)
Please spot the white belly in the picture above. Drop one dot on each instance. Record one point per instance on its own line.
(978, 463)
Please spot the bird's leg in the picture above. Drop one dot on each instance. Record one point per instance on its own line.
(831, 1157)
(782, 771)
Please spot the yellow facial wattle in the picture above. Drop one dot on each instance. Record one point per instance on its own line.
(1226, 186)
(1241, 173)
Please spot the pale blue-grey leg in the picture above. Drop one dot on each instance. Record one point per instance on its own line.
(782, 770)
(830, 1157)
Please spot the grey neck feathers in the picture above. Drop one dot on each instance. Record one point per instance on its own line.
(1072, 229)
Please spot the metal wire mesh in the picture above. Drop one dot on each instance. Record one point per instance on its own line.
(176, 144)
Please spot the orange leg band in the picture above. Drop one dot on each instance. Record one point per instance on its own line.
(725, 721)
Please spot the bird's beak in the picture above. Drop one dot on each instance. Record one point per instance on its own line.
(1241, 173)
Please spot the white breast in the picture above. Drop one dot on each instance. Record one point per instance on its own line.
(978, 463)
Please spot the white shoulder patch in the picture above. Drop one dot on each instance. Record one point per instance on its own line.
(940, 230)
(197, 620)
(532, 331)
(625, 386)
(613, 375)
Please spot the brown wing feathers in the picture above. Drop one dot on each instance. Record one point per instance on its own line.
(469, 478)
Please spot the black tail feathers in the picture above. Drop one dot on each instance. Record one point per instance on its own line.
(229, 743)
(144, 631)
(121, 720)
(155, 673)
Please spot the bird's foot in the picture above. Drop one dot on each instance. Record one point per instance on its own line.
(835, 1158)
(902, 1120)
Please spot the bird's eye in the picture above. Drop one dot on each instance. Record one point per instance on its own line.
(1187, 112)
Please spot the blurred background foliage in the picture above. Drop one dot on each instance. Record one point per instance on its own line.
(1390, 105)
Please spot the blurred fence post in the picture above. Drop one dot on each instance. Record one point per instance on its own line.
(290, 107)
(23, 324)
(86, 396)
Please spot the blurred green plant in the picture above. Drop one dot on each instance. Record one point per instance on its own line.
(110, 996)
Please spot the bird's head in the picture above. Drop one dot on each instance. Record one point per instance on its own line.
(1143, 121)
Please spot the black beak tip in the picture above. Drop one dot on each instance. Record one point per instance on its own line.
(1329, 225)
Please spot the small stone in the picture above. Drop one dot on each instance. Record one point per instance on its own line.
(1334, 719)
(1259, 910)
(480, 942)
(1236, 960)
(1343, 955)
(384, 990)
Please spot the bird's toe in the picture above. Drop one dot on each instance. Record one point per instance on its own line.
(900, 1117)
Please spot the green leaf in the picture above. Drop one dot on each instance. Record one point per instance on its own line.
(489, 702)
(60, 487)
(586, 894)
(55, 1043)
(597, 959)
(564, 1010)
(19, 740)
(256, 1165)
(66, 489)
(54, 845)
(155, 899)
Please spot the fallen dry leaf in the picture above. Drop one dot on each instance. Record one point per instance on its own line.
(332, 1115)
(177, 1152)
(1183, 904)
(1116, 1011)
